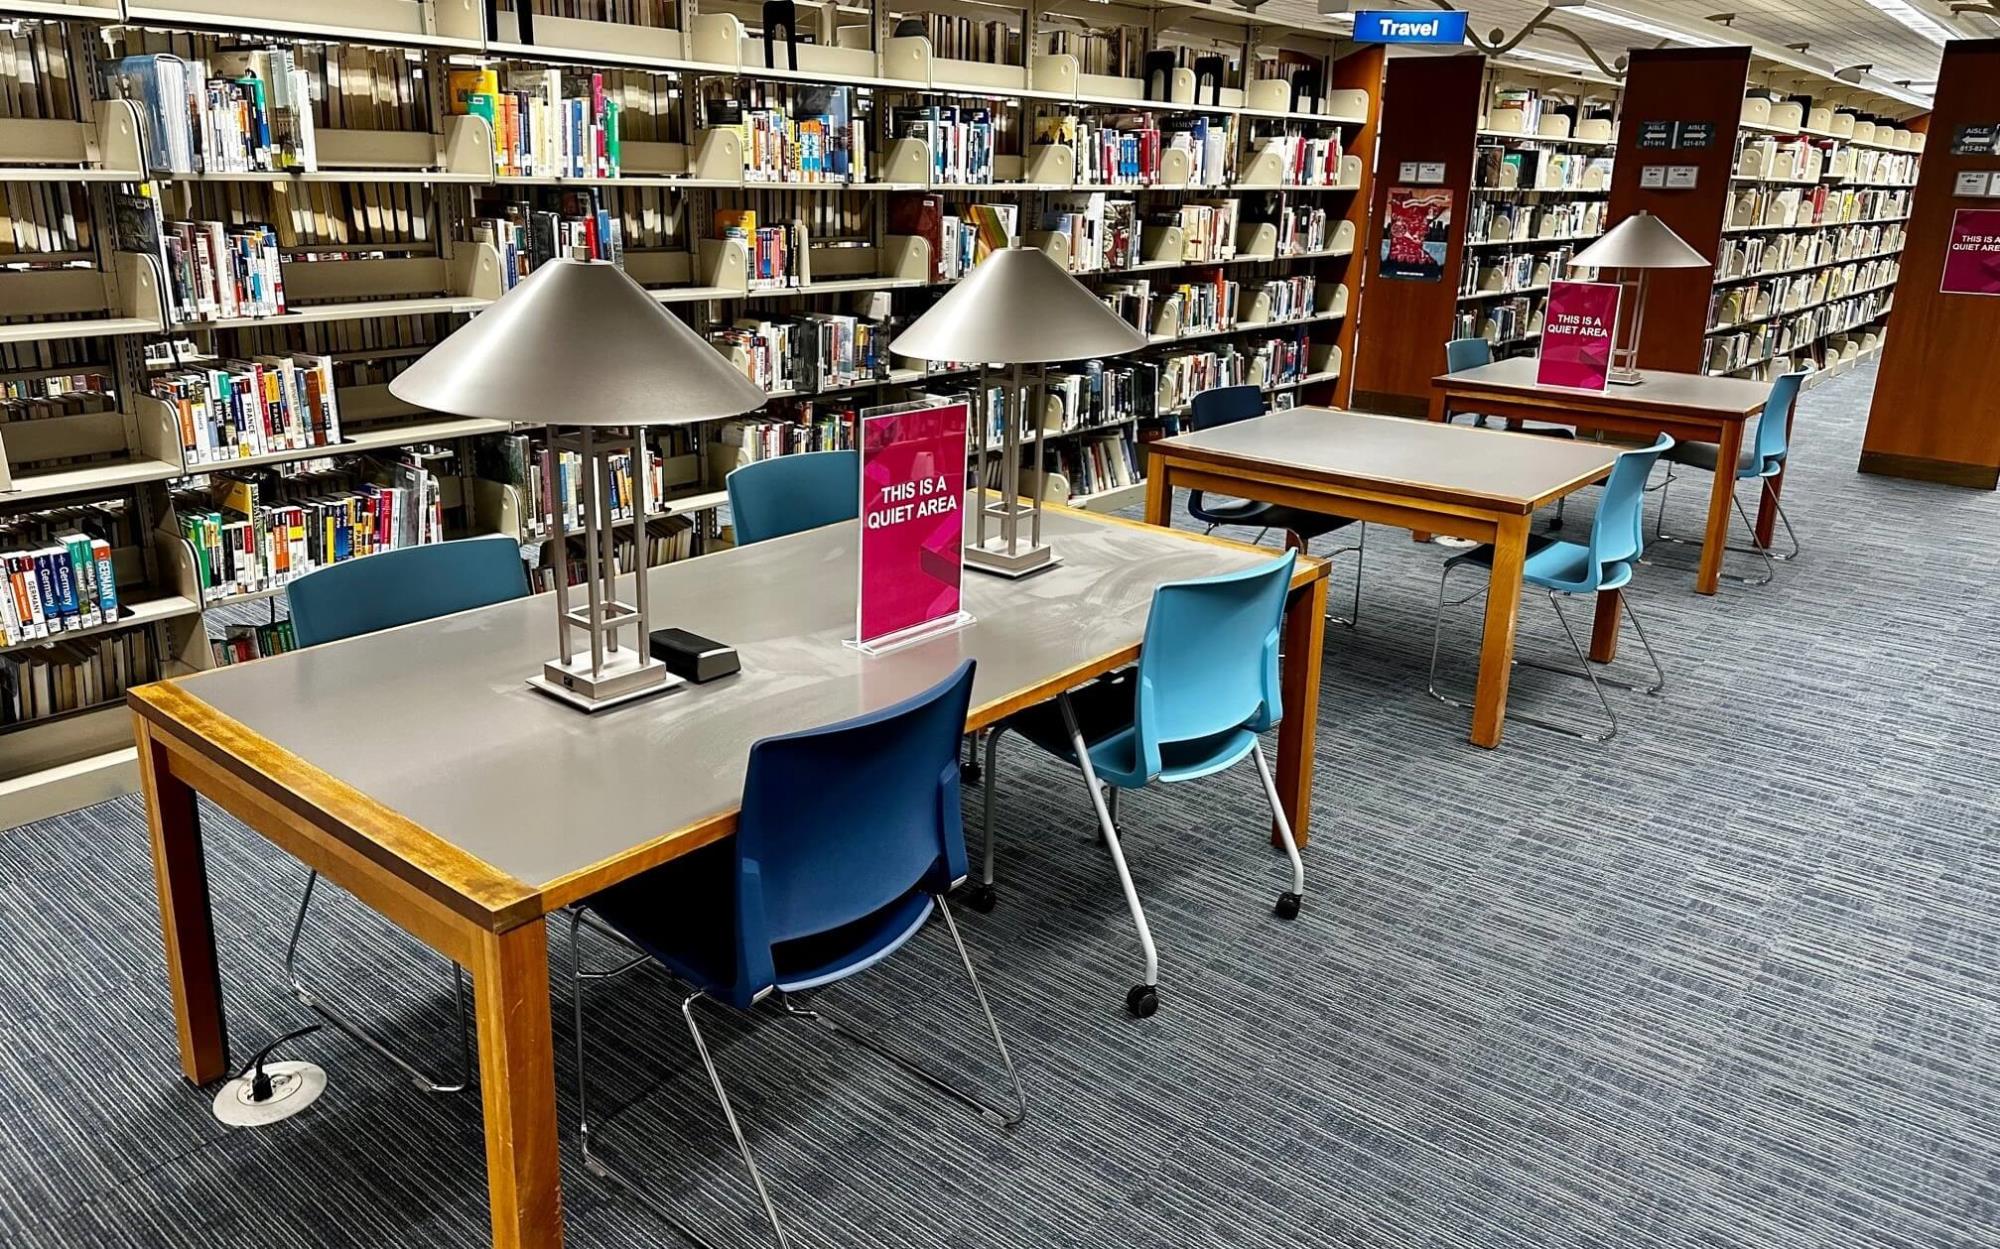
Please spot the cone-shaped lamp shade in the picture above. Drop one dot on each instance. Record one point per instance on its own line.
(1018, 307)
(1641, 241)
(578, 343)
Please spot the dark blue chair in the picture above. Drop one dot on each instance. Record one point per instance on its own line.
(1226, 405)
(1563, 569)
(366, 596)
(1762, 459)
(792, 493)
(1205, 686)
(849, 838)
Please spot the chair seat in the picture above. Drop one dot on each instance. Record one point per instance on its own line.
(1551, 564)
(1231, 512)
(1483, 555)
(1307, 525)
(683, 913)
(1546, 430)
(1105, 713)
(1706, 455)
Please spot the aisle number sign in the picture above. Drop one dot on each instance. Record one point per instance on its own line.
(1409, 26)
(912, 523)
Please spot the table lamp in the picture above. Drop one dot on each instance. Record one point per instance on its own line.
(1639, 243)
(584, 349)
(1017, 308)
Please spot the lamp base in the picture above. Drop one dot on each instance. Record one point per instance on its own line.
(1023, 561)
(625, 676)
(1625, 377)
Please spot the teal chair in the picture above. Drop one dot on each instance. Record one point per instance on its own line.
(792, 493)
(1762, 458)
(1566, 569)
(366, 596)
(1205, 686)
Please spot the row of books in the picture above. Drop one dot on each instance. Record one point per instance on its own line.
(1102, 233)
(36, 70)
(1094, 394)
(772, 250)
(1511, 322)
(797, 133)
(1290, 299)
(40, 398)
(1100, 463)
(257, 533)
(1501, 273)
(547, 122)
(668, 538)
(1748, 254)
(1119, 51)
(244, 408)
(1208, 228)
(527, 237)
(961, 140)
(1496, 220)
(1124, 149)
(804, 427)
(112, 519)
(991, 40)
(214, 271)
(958, 239)
(58, 588)
(1303, 228)
(547, 478)
(1521, 110)
(1756, 345)
(74, 674)
(241, 643)
(1274, 362)
(1730, 306)
(241, 111)
(1207, 142)
(1875, 165)
(1206, 302)
(43, 218)
(805, 353)
(1305, 160)
(1538, 169)
(1819, 205)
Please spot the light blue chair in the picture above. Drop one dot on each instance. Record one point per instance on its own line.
(1226, 405)
(792, 493)
(849, 838)
(368, 595)
(1563, 569)
(1763, 458)
(1205, 686)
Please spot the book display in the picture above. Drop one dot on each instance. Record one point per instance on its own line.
(221, 241)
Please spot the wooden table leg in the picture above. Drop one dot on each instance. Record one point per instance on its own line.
(181, 875)
(1604, 630)
(1304, 647)
(1159, 492)
(1440, 410)
(517, 1082)
(1496, 649)
(1729, 446)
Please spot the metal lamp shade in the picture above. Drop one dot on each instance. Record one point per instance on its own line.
(1018, 307)
(578, 343)
(1641, 241)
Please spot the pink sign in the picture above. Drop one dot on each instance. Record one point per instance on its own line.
(1577, 331)
(912, 520)
(1972, 257)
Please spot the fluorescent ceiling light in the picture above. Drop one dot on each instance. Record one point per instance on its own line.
(1615, 17)
(1915, 18)
(1550, 58)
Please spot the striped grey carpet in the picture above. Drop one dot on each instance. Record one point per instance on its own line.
(1728, 981)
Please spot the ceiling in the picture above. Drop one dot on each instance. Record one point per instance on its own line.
(1890, 35)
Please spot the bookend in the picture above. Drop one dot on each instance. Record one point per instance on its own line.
(783, 13)
(1209, 68)
(1160, 74)
(1306, 83)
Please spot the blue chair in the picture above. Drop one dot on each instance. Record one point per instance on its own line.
(1763, 458)
(1617, 538)
(365, 596)
(1226, 405)
(1205, 686)
(849, 838)
(792, 493)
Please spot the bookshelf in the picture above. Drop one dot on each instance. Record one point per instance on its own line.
(392, 223)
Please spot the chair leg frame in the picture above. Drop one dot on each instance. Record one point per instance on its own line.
(1770, 557)
(1284, 825)
(1584, 669)
(1112, 845)
(311, 999)
(594, 1159)
(1360, 553)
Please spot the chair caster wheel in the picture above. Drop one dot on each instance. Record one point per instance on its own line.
(1288, 905)
(981, 898)
(1142, 1001)
(969, 772)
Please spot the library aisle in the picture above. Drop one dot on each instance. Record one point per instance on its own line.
(1722, 983)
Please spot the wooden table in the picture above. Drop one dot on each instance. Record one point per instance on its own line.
(1480, 484)
(1689, 406)
(417, 770)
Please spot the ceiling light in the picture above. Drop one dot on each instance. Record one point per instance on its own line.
(1916, 19)
(1615, 17)
(1550, 58)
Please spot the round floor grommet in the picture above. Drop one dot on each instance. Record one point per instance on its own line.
(294, 1086)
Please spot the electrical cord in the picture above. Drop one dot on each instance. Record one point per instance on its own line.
(260, 1083)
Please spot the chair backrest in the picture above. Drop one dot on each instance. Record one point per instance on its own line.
(841, 821)
(1618, 532)
(1210, 662)
(791, 493)
(405, 585)
(1226, 405)
(1461, 354)
(1774, 426)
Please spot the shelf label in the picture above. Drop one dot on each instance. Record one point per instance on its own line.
(1972, 254)
(1681, 177)
(912, 520)
(1430, 172)
(1977, 183)
(1409, 26)
(1652, 177)
(1577, 332)
(1976, 139)
(1656, 134)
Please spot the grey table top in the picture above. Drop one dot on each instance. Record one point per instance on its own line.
(1450, 463)
(434, 720)
(1722, 396)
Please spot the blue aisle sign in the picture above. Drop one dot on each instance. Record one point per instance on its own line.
(1409, 26)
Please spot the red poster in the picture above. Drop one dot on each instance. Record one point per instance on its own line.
(1972, 256)
(1577, 332)
(912, 521)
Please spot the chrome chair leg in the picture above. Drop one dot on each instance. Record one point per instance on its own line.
(1437, 634)
(1659, 673)
(1771, 489)
(1585, 669)
(1143, 998)
(729, 1116)
(1289, 902)
(1360, 552)
(992, 1114)
(310, 999)
(981, 897)
(1755, 548)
